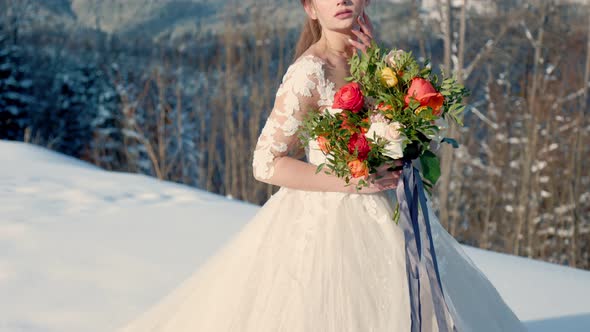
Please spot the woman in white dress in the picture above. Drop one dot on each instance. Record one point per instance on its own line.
(319, 256)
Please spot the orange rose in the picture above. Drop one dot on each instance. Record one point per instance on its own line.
(423, 91)
(323, 144)
(365, 123)
(345, 124)
(358, 168)
(384, 107)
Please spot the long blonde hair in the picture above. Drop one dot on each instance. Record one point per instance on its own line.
(310, 34)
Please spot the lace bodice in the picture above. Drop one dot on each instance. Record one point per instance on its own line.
(304, 88)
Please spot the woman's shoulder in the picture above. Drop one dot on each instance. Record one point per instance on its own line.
(308, 64)
(310, 59)
(311, 55)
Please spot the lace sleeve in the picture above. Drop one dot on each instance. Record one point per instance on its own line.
(297, 94)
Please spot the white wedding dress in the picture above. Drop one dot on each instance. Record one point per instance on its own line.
(320, 261)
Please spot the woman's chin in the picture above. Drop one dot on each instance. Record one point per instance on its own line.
(342, 27)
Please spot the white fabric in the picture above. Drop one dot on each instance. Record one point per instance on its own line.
(319, 261)
(304, 86)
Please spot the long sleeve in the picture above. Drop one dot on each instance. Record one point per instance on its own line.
(297, 95)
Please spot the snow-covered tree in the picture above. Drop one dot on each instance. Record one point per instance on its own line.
(107, 144)
(75, 109)
(15, 85)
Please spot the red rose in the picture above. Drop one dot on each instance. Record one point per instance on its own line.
(349, 97)
(423, 91)
(359, 143)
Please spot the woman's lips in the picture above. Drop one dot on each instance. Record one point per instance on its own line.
(344, 14)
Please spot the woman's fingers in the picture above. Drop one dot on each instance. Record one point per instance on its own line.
(383, 168)
(387, 169)
(366, 40)
(364, 35)
(358, 45)
(367, 25)
(382, 179)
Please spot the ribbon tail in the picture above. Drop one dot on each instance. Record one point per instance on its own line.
(425, 299)
(441, 309)
(404, 198)
(426, 216)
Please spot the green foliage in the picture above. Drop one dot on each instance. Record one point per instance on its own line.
(430, 167)
(385, 78)
(454, 93)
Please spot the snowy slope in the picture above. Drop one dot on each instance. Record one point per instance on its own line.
(82, 249)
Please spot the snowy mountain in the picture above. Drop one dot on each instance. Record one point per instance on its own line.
(85, 249)
(175, 18)
(161, 18)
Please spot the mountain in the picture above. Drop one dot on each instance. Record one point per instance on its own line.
(176, 18)
(162, 18)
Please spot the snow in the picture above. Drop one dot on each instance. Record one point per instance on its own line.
(83, 249)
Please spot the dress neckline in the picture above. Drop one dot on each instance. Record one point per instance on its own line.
(327, 86)
(313, 56)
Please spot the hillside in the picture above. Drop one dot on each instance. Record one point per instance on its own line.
(85, 249)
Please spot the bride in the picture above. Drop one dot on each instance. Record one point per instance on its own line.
(319, 256)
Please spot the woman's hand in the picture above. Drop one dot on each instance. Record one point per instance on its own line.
(364, 35)
(383, 179)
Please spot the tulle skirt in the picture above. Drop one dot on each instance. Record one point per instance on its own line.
(325, 262)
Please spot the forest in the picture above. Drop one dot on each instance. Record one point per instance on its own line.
(189, 109)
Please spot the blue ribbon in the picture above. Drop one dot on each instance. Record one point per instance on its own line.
(410, 195)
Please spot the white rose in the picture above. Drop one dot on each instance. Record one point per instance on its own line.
(394, 150)
(390, 132)
(392, 57)
(333, 111)
(377, 117)
(377, 129)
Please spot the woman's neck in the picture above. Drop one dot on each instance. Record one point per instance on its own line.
(336, 44)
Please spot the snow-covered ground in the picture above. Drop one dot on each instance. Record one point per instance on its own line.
(82, 249)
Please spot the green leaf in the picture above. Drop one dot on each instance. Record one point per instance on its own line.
(414, 103)
(430, 166)
(428, 187)
(319, 168)
(396, 213)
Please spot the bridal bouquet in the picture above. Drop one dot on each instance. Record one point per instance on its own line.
(392, 109)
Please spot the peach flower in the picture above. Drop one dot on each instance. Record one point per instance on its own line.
(323, 144)
(358, 168)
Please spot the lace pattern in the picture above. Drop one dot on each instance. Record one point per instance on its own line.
(304, 87)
